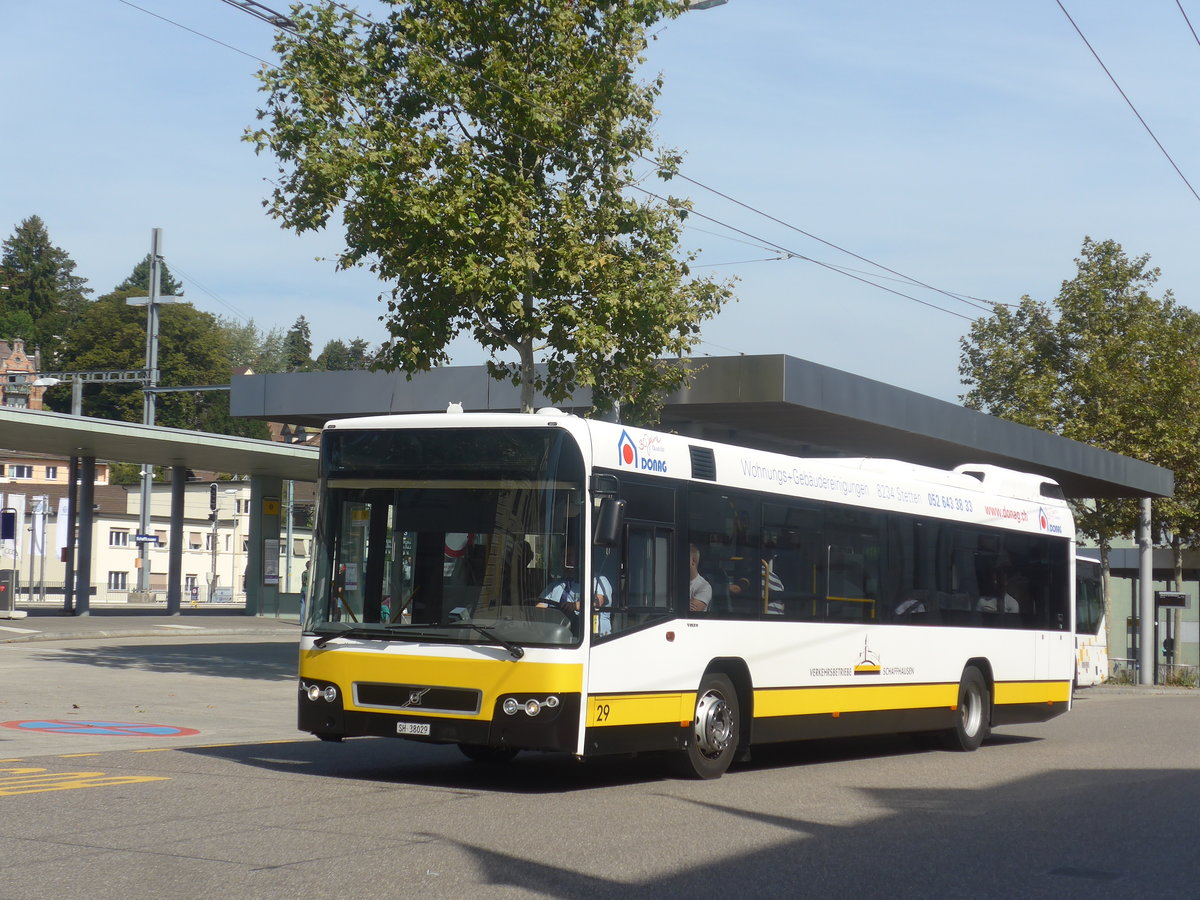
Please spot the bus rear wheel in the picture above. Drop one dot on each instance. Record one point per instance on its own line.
(971, 722)
(713, 739)
(482, 753)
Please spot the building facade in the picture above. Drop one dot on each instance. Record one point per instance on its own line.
(214, 553)
(18, 371)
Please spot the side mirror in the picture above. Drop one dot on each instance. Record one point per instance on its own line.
(609, 521)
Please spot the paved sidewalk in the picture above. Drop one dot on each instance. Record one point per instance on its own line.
(53, 625)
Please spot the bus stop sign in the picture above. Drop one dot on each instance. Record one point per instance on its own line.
(1171, 600)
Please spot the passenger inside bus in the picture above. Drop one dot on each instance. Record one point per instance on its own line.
(700, 592)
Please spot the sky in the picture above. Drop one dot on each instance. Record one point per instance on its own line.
(969, 147)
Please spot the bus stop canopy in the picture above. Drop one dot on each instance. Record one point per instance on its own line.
(773, 402)
(62, 435)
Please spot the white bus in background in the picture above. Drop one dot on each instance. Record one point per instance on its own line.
(1091, 646)
(843, 596)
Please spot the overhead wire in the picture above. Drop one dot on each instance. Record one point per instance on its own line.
(535, 105)
(207, 37)
(1125, 96)
(1183, 13)
(278, 20)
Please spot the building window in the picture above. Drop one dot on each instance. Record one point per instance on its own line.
(162, 539)
(194, 540)
(241, 506)
(209, 541)
(21, 472)
(51, 473)
(297, 547)
(118, 537)
(116, 581)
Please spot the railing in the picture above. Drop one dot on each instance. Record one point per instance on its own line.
(1123, 670)
(51, 595)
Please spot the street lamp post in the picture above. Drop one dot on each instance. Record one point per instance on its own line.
(149, 398)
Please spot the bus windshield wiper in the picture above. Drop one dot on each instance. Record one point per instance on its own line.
(515, 650)
(330, 630)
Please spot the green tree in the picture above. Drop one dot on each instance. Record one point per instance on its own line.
(249, 347)
(482, 159)
(297, 346)
(44, 296)
(1107, 364)
(138, 282)
(338, 356)
(111, 334)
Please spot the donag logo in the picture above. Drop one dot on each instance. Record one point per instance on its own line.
(1048, 522)
(627, 454)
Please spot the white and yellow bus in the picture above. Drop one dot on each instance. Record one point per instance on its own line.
(1091, 644)
(844, 596)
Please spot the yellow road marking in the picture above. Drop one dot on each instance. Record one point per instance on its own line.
(37, 781)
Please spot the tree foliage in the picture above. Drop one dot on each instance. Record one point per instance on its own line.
(481, 156)
(1109, 365)
(138, 282)
(338, 356)
(252, 348)
(43, 295)
(111, 334)
(297, 346)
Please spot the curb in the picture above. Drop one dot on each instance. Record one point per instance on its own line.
(107, 634)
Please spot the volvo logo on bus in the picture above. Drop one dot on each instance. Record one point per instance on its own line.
(414, 698)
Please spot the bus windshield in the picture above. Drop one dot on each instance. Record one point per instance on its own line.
(455, 535)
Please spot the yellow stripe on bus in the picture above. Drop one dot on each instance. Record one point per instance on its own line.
(818, 701)
(1010, 692)
(650, 709)
(492, 677)
(605, 710)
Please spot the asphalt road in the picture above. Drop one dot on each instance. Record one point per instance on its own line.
(1104, 802)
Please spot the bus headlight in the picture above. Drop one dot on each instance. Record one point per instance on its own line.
(511, 706)
(330, 693)
(313, 691)
(532, 707)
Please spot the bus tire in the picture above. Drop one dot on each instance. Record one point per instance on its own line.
(973, 715)
(713, 739)
(482, 753)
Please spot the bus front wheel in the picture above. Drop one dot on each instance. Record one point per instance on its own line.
(713, 739)
(971, 721)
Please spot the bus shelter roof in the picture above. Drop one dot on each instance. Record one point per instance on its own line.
(774, 402)
(56, 434)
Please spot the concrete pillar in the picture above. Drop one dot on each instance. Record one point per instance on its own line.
(1146, 612)
(83, 566)
(262, 558)
(175, 541)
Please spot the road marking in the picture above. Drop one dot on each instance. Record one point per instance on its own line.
(188, 627)
(37, 781)
(18, 630)
(112, 729)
